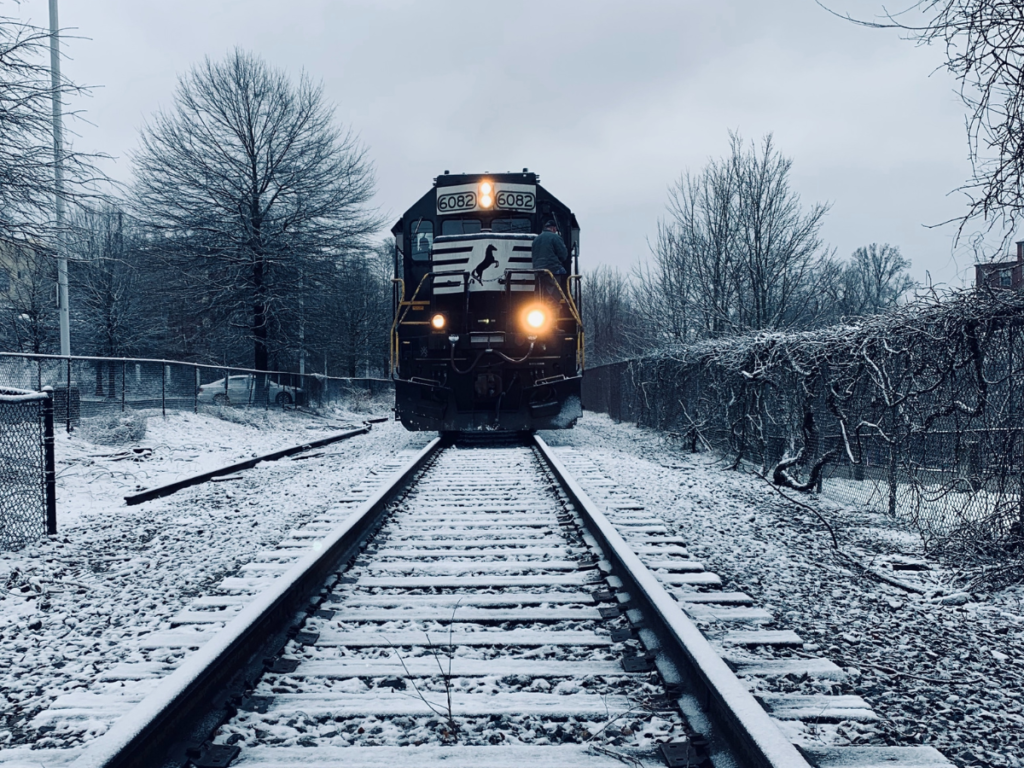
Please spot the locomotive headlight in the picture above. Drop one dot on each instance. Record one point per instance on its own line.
(535, 319)
(486, 194)
(438, 322)
(485, 201)
(486, 188)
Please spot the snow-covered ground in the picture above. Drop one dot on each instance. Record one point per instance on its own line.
(945, 668)
(72, 608)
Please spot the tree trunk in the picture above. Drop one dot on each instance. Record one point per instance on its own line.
(259, 317)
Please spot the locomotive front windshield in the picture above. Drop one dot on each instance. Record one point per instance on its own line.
(511, 225)
(460, 226)
(422, 239)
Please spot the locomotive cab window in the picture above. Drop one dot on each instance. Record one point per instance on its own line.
(460, 226)
(511, 225)
(422, 236)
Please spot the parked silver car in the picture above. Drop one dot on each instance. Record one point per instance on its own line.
(242, 390)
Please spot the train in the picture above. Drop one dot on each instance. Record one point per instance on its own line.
(480, 339)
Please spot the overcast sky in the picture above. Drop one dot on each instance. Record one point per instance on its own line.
(609, 101)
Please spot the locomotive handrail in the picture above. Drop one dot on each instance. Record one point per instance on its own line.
(580, 352)
(581, 349)
(398, 319)
(568, 299)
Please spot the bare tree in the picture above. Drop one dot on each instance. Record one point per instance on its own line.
(349, 314)
(253, 192)
(28, 309)
(609, 319)
(27, 157)
(116, 311)
(739, 253)
(876, 279)
(699, 251)
(984, 43)
(779, 250)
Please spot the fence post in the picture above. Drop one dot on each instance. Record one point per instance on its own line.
(67, 405)
(124, 366)
(1020, 498)
(195, 397)
(163, 389)
(49, 464)
(892, 479)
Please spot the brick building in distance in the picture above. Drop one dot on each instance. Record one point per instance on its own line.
(1002, 274)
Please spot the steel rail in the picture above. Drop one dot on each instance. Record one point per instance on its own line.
(166, 490)
(737, 724)
(192, 701)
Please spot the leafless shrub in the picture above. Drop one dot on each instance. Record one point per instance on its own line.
(115, 429)
(917, 412)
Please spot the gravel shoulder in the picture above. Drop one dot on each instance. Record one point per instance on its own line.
(944, 668)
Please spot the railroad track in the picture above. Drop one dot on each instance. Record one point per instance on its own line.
(480, 609)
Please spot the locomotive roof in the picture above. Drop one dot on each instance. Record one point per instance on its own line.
(451, 179)
(454, 179)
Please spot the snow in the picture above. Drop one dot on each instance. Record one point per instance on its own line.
(76, 610)
(943, 667)
(938, 669)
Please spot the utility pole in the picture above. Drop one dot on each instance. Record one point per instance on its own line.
(58, 172)
(302, 326)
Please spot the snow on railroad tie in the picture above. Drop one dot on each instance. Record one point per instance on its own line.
(85, 705)
(875, 757)
(462, 613)
(448, 567)
(202, 617)
(704, 578)
(505, 517)
(718, 598)
(763, 637)
(819, 708)
(704, 612)
(467, 546)
(426, 666)
(399, 703)
(476, 582)
(137, 670)
(506, 527)
(467, 537)
(820, 668)
(467, 600)
(542, 553)
(445, 637)
(675, 565)
(27, 757)
(561, 756)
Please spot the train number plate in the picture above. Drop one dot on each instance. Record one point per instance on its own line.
(459, 201)
(511, 200)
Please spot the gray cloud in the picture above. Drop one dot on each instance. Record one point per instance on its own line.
(609, 101)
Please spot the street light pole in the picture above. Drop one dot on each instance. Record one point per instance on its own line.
(58, 172)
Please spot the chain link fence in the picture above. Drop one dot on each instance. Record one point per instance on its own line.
(87, 387)
(28, 508)
(918, 414)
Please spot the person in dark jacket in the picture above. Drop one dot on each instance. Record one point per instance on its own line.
(549, 252)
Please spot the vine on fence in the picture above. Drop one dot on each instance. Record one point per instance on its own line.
(918, 412)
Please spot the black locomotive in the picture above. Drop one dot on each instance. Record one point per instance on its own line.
(481, 340)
